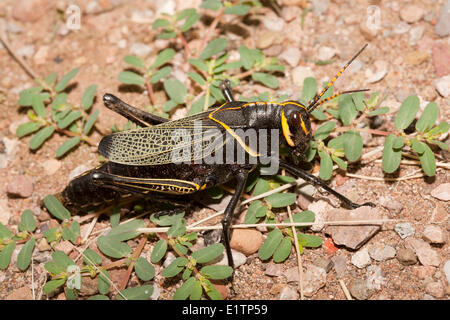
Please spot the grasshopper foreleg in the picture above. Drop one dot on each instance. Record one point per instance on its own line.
(318, 182)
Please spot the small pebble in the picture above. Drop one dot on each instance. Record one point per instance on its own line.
(436, 289)
(89, 286)
(169, 258)
(313, 279)
(359, 290)
(381, 252)
(51, 166)
(401, 28)
(434, 234)
(442, 27)
(379, 73)
(26, 51)
(41, 55)
(369, 32)
(291, 55)
(140, 49)
(289, 293)
(411, 13)
(319, 208)
(415, 34)
(273, 23)
(5, 213)
(273, 269)
(29, 10)
(65, 246)
(324, 263)
(246, 241)
(43, 245)
(427, 256)
(320, 7)
(404, 230)
(442, 192)
(406, 257)
(156, 292)
(289, 13)
(416, 57)
(267, 39)
(299, 74)
(326, 53)
(441, 57)
(447, 270)
(21, 186)
(391, 204)
(423, 272)
(361, 259)
(23, 293)
(375, 277)
(340, 265)
(238, 259)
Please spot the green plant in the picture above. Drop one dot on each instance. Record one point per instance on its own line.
(72, 120)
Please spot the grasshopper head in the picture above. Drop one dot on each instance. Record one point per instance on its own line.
(296, 127)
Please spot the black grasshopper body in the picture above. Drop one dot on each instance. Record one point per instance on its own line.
(177, 158)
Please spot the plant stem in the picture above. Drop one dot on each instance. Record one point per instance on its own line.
(185, 44)
(133, 260)
(150, 92)
(372, 131)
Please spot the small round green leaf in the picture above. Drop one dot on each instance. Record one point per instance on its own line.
(98, 297)
(309, 89)
(185, 290)
(407, 113)
(391, 157)
(52, 285)
(176, 90)
(266, 79)
(216, 272)
(428, 161)
(324, 130)
(280, 200)
(272, 242)
(42, 135)
(134, 61)
(308, 240)
(112, 247)
(68, 145)
(428, 117)
(144, 270)
(326, 166)
(69, 119)
(27, 222)
(90, 122)
(104, 282)
(56, 208)
(27, 128)
(90, 256)
(209, 253)
(129, 77)
(88, 96)
(163, 57)
(136, 293)
(24, 256)
(347, 110)
(261, 186)
(214, 47)
(353, 145)
(175, 267)
(62, 84)
(159, 251)
(378, 111)
(239, 9)
(5, 255)
(283, 251)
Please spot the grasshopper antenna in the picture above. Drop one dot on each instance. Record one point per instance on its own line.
(316, 101)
